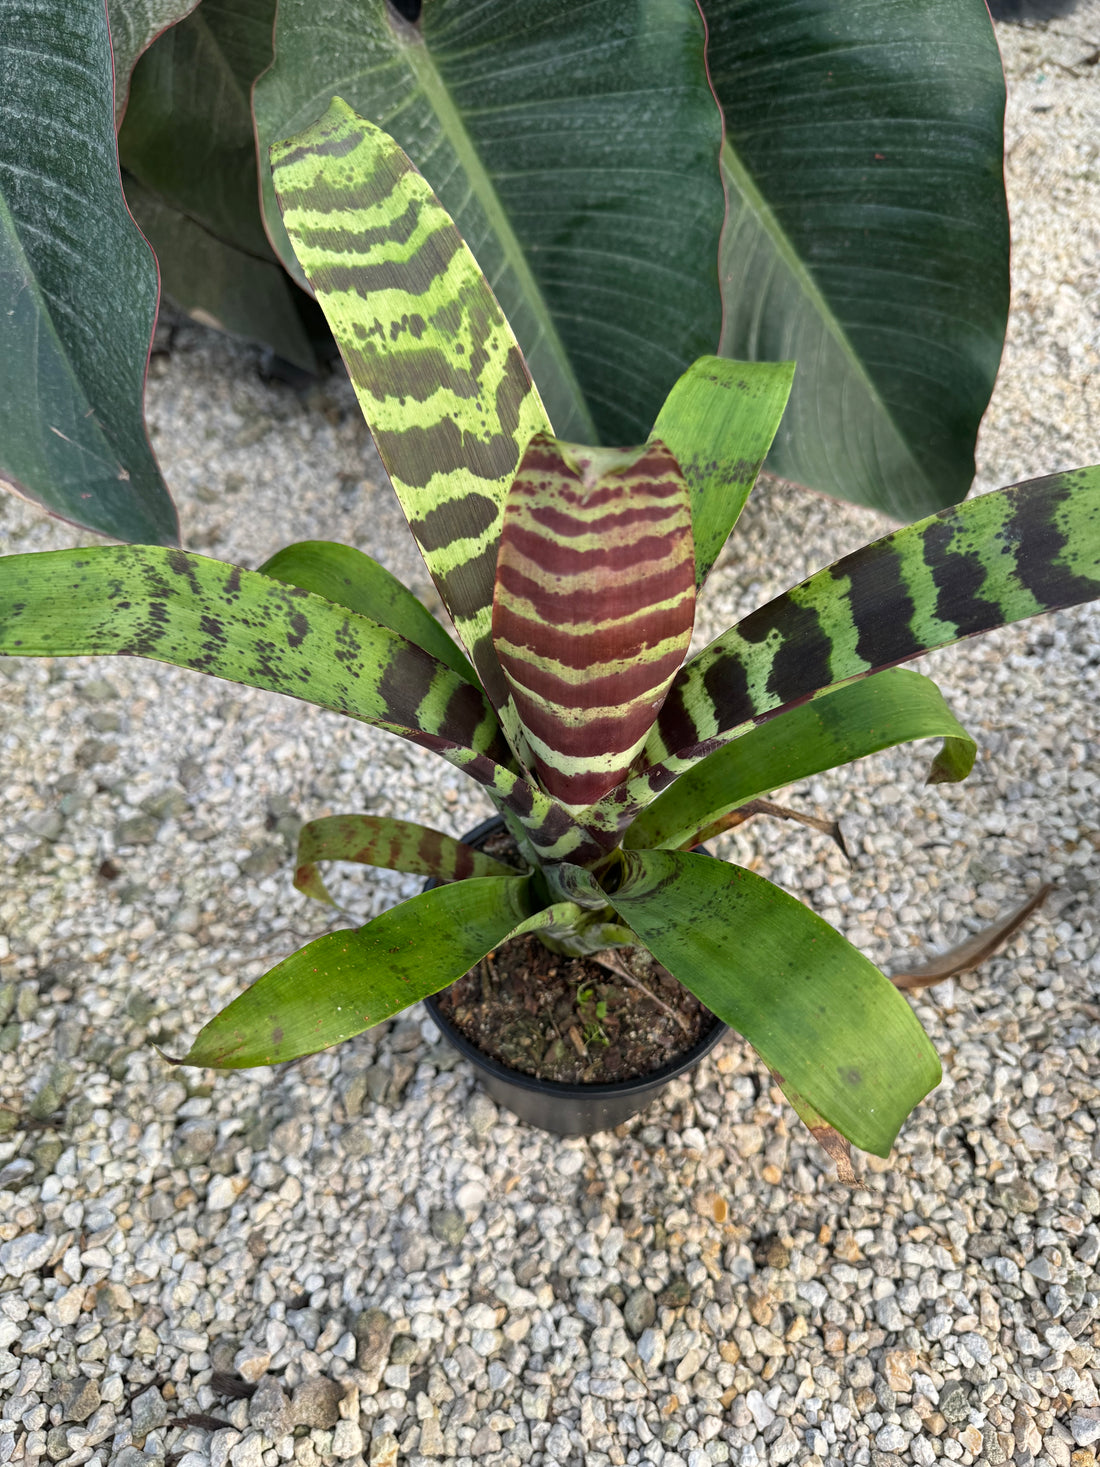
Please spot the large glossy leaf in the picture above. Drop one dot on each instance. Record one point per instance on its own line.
(345, 982)
(982, 564)
(378, 840)
(574, 142)
(189, 151)
(719, 421)
(135, 25)
(868, 234)
(347, 576)
(594, 605)
(78, 284)
(849, 723)
(815, 1008)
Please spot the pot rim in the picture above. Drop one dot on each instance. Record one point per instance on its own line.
(566, 1090)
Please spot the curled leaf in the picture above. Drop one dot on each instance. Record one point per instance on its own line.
(734, 818)
(975, 950)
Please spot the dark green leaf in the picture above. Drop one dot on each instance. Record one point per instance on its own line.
(78, 284)
(868, 233)
(345, 982)
(376, 840)
(815, 1009)
(135, 25)
(719, 421)
(352, 579)
(187, 140)
(574, 143)
(217, 283)
(837, 728)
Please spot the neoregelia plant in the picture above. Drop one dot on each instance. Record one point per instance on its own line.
(570, 574)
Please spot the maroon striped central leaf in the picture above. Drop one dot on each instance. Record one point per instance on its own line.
(593, 605)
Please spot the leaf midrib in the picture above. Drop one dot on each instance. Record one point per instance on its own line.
(803, 277)
(439, 99)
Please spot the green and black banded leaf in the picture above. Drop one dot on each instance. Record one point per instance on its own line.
(378, 840)
(867, 235)
(441, 381)
(574, 142)
(837, 728)
(352, 579)
(78, 284)
(175, 607)
(719, 421)
(594, 605)
(218, 619)
(345, 982)
(982, 564)
(813, 1007)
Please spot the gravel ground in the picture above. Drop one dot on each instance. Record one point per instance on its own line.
(402, 1272)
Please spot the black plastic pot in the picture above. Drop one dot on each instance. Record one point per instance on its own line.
(566, 1110)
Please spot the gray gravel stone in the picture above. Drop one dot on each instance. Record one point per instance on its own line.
(373, 1336)
(147, 1412)
(24, 1254)
(640, 1310)
(954, 1401)
(268, 1410)
(81, 1400)
(315, 1402)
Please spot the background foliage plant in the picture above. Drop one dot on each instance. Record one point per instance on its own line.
(570, 573)
(588, 163)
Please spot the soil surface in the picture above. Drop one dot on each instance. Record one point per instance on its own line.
(573, 1020)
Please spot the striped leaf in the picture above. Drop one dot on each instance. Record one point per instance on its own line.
(594, 605)
(839, 727)
(719, 421)
(399, 845)
(573, 142)
(979, 565)
(442, 384)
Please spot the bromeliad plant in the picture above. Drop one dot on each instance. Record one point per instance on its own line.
(570, 574)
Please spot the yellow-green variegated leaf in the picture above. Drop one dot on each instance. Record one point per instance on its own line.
(441, 381)
(719, 421)
(575, 145)
(594, 605)
(978, 565)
